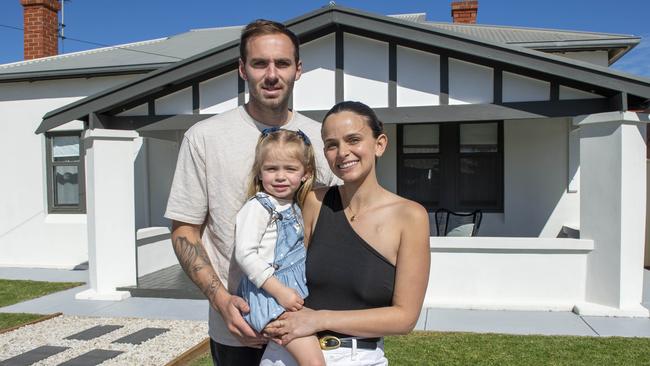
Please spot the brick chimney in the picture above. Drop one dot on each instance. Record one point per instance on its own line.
(464, 11)
(41, 24)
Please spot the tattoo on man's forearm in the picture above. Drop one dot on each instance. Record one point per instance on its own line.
(194, 259)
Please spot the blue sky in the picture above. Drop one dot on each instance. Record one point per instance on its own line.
(122, 21)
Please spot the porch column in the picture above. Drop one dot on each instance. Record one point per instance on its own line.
(110, 208)
(613, 210)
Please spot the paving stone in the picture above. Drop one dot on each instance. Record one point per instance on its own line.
(91, 358)
(94, 332)
(142, 335)
(33, 356)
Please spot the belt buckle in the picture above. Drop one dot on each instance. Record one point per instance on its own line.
(329, 343)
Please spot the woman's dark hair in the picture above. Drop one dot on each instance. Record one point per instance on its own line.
(362, 110)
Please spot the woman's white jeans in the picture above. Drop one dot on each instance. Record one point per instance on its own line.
(276, 355)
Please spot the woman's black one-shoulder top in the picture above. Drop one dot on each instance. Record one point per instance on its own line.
(343, 271)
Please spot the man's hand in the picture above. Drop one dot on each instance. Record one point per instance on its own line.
(231, 309)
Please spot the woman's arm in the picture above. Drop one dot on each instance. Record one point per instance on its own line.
(412, 274)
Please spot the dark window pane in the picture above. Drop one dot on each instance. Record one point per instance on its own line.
(479, 137)
(421, 139)
(65, 148)
(421, 180)
(478, 180)
(66, 186)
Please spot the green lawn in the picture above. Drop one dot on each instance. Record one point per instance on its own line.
(15, 291)
(436, 348)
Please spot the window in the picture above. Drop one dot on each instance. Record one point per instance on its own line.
(65, 172)
(457, 166)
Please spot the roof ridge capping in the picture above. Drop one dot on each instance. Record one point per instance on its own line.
(413, 17)
(215, 28)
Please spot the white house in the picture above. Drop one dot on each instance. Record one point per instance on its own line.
(528, 125)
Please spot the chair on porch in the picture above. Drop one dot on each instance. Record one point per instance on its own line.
(449, 223)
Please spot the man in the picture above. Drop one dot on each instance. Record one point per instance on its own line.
(209, 185)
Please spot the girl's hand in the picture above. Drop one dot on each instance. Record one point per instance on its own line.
(290, 299)
(286, 296)
(291, 325)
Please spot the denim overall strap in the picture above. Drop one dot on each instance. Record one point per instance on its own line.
(264, 200)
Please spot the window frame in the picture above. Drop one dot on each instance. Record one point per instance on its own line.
(449, 156)
(52, 208)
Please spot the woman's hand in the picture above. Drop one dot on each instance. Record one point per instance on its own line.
(291, 325)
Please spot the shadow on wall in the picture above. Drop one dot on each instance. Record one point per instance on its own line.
(646, 261)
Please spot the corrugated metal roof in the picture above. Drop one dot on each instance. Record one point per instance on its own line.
(152, 54)
(145, 55)
(521, 36)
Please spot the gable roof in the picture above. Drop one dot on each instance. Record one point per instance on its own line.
(332, 17)
(145, 56)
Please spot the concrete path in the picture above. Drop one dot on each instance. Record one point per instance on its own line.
(456, 320)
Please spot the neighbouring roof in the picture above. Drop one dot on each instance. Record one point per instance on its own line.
(149, 55)
(135, 57)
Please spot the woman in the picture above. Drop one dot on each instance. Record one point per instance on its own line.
(368, 254)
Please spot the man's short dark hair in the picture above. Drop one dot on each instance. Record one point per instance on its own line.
(262, 27)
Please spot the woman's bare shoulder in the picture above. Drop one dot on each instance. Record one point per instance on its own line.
(406, 208)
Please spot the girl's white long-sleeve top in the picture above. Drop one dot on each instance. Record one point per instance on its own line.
(255, 238)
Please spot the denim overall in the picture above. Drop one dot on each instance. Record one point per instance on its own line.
(289, 264)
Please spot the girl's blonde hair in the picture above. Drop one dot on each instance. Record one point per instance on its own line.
(294, 143)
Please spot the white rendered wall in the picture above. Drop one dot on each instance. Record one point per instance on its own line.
(155, 250)
(141, 110)
(470, 83)
(110, 156)
(519, 88)
(599, 58)
(646, 261)
(536, 201)
(613, 187)
(418, 77)
(154, 171)
(507, 273)
(567, 93)
(365, 63)
(218, 94)
(176, 103)
(316, 88)
(29, 236)
(162, 163)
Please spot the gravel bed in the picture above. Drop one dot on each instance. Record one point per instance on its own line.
(182, 335)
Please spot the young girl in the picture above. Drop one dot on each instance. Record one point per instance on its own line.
(269, 238)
